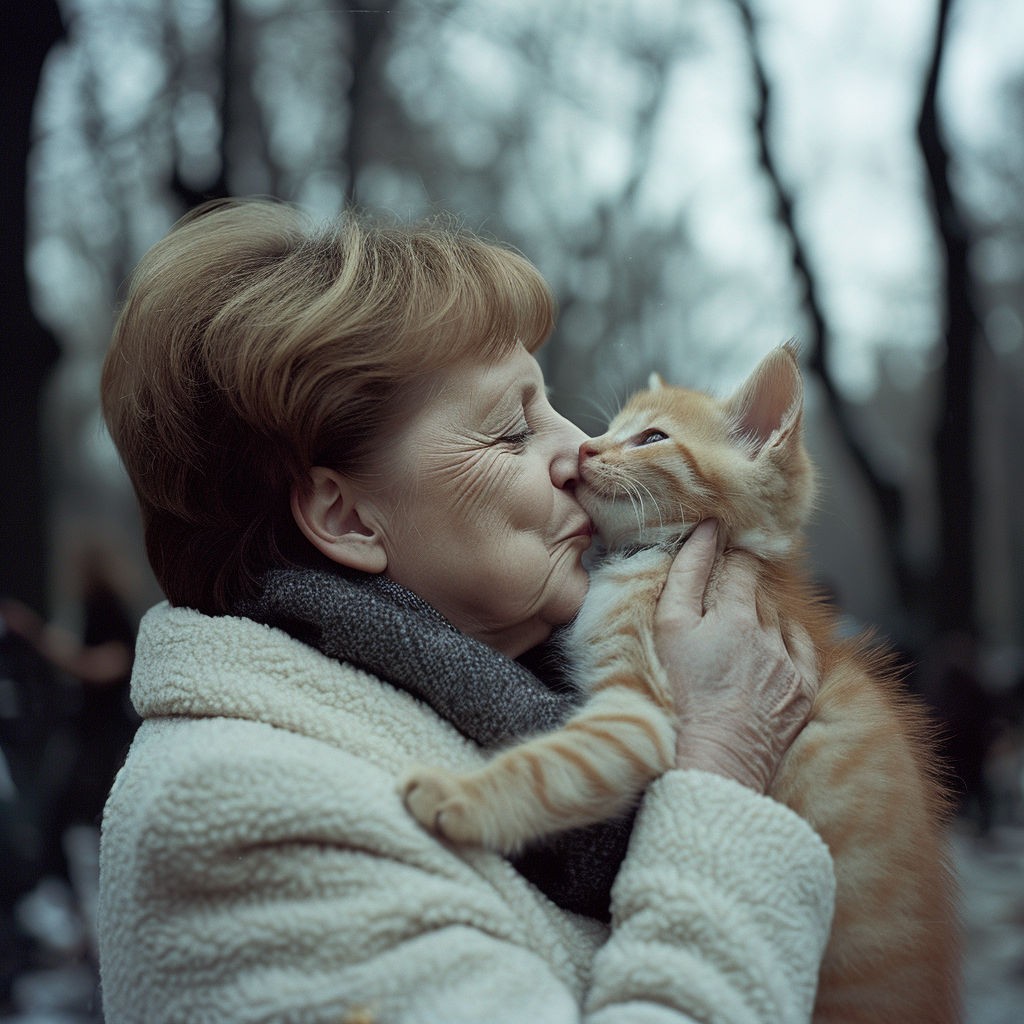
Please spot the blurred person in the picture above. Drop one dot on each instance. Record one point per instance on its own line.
(96, 664)
(67, 725)
(97, 713)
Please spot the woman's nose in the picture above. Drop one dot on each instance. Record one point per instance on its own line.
(565, 467)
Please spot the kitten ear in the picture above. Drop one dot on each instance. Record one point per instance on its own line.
(656, 381)
(768, 407)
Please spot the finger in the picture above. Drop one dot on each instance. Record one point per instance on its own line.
(688, 577)
(804, 657)
(737, 580)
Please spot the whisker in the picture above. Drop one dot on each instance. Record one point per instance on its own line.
(610, 406)
(622, 483)
(600, 415)
(643, 509)
(643, 512)
(632, 502)
(661, 520)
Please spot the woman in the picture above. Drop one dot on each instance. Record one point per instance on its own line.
(342, 434)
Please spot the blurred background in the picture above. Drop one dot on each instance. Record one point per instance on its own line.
(699, 180)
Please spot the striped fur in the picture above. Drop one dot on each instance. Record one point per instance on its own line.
(863, 772)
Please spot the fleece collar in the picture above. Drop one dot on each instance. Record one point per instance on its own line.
(374, 623)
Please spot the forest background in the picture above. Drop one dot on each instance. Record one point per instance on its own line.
(699, 180)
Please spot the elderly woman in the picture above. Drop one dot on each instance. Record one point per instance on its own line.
(359, 503)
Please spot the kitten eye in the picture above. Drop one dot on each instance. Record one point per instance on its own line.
(652, 436)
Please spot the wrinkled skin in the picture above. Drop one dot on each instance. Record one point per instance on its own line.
(482, 522)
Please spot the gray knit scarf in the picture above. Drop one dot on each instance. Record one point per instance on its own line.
(370, 621)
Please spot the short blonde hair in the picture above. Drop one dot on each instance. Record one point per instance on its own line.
(254, 345)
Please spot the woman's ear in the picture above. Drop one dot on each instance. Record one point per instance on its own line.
(338, 523)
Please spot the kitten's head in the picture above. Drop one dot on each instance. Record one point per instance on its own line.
(673, 457)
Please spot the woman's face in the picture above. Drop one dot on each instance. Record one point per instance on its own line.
(480, 517)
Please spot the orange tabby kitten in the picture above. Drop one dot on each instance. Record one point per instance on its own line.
(862, 772)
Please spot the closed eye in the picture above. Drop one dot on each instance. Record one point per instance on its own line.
(516, 440)
(651, 437)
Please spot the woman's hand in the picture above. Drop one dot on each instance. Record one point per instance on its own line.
(742, 697)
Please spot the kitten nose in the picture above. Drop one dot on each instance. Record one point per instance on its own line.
(586, 452)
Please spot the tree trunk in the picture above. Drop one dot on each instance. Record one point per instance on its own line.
(28, 350)
(368, 26)
(953, 592)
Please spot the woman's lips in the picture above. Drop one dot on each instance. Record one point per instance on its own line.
(586, 530)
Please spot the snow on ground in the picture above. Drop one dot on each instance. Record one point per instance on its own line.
(992, 876)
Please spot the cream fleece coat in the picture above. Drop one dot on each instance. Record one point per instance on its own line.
(257, 865)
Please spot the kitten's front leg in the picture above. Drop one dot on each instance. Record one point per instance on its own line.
(434, 798)
(599, 762)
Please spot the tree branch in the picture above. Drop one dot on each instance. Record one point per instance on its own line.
(888, 497)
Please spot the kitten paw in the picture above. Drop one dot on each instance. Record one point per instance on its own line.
(434, 797)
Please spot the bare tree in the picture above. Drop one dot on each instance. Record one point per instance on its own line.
(953, 591)
(28, 351)
(887, 496)
(947, 598)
